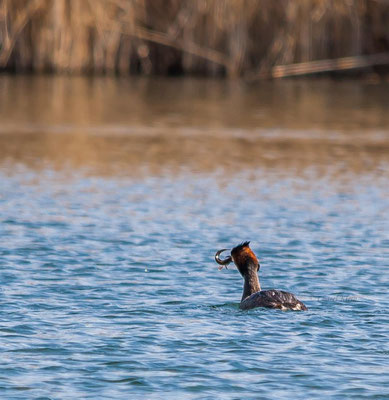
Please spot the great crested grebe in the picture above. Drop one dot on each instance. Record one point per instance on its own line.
(248, 266)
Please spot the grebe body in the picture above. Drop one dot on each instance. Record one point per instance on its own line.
(248, 266)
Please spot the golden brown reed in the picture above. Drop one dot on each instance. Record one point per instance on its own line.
(213, 37)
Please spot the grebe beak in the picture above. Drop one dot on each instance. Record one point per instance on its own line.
(224, 262)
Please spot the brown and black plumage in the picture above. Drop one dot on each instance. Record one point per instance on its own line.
(248, 266)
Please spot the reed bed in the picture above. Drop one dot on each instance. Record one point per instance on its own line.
(210, 37)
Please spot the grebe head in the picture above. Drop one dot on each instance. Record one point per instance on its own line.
(243, 257)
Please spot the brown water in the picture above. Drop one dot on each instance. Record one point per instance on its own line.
(105, 123)
(115, 195)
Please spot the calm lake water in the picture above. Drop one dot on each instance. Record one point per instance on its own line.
(115, 195)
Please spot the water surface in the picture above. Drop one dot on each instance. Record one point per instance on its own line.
(114, 197)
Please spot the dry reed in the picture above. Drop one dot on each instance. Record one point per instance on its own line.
(211, 37)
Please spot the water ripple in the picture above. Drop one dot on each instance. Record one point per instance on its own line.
(109, 288)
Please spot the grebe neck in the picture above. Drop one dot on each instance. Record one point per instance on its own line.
(251, 283)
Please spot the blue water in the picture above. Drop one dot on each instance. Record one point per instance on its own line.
(109, 288)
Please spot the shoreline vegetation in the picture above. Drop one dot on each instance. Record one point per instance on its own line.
(252, 39)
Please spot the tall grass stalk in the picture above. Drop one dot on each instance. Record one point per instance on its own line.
(212, 37)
